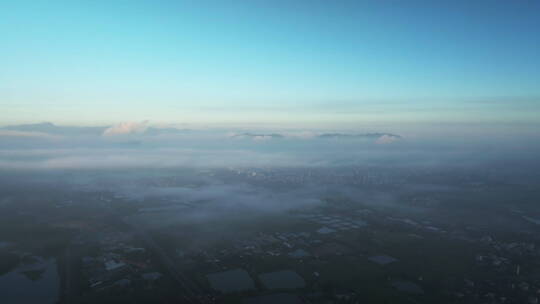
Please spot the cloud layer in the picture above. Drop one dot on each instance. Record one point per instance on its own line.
(126, 128)
(138, 145)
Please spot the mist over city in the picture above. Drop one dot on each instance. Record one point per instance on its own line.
(270, 152)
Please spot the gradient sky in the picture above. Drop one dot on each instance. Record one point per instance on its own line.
(283, 62)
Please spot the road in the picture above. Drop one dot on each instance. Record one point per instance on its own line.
(190, 291)
(70, 267)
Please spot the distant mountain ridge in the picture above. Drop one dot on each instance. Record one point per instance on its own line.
(360, 135)
(50, 128)
(257, 135)
(377, 136)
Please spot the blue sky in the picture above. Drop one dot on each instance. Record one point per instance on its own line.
(282, 62)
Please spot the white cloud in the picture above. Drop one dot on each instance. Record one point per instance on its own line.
(126, 128)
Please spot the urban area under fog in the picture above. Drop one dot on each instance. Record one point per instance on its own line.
(253, 217)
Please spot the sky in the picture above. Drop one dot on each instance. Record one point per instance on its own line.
(287, 63)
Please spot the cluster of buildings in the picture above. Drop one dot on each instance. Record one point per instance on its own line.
(118, 265)
(510, 274)
(234, 268)
(298, 176)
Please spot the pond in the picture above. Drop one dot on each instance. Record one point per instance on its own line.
(35, 282)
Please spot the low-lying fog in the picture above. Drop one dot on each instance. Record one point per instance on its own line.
(156, 202)
(228, 172)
